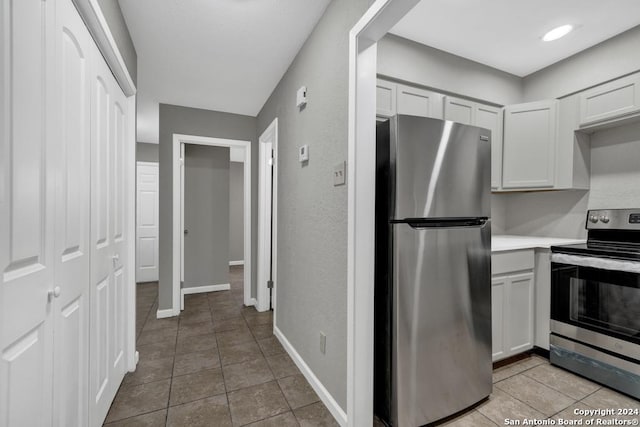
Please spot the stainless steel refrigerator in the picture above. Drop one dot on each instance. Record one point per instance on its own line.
(433, 269)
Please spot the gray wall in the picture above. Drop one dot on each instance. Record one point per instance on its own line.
(312, 213)
(206, 215)
(194, 121)
(236, 211)
(615, 168)
(117, 25)
(413, 62)
(614, 152)
(606, 61)
(146, 152)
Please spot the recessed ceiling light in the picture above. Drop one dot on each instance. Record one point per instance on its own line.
(558, 32)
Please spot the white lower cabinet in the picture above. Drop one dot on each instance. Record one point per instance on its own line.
(512, 303)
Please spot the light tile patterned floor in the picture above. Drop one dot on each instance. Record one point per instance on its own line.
(217, 364)
(534, 389)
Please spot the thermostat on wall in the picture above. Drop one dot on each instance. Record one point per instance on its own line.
(301, 96)
(303, 155)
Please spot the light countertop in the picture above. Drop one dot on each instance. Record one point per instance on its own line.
(500, 243)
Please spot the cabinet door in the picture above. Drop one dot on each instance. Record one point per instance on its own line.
(529, 147)
(611, 100)
(459, 110)
(385, 98)
(519, 313)
(26, 220)
(72, 217)
(419, 102)
(492, 118)
(498, 286)
(108, 266)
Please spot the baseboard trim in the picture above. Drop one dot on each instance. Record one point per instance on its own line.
(163, 314)
(318, 387)
(240, 262)
(251, 302)
(200, 290)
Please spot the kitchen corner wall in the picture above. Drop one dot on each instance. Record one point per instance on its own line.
(415, 63)
(312, 213)
(614, 152)
(194, 121)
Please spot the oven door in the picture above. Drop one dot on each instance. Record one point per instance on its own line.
(597, 301)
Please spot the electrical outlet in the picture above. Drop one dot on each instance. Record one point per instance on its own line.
(323, 343)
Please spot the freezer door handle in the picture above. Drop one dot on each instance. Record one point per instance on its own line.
(420, 223)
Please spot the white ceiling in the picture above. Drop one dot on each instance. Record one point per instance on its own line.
(223, 55)
(507, 34)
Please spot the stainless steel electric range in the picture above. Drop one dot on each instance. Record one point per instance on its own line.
(595, 301)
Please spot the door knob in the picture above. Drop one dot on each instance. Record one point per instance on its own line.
(186, 231)
(54, 293)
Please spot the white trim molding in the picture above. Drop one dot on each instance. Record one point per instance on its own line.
(267, 216)
(324, 395)
(200, 290)
(97, 24)
(163, 314)
(131, 289)
(363, 38)
(240, 262)
(177, 234)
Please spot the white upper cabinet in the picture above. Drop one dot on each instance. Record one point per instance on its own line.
(530, 137)
(385, 98)
(491, 118)
(485, 116)
(459, 110)
(573, 162)
(419, 102)
(394, 98)
(610, 101)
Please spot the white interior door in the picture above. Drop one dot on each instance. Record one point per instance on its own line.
(107, 238)
(182, 161)
(265, 246)
(147, 222)
(26, 222)
(72, 217)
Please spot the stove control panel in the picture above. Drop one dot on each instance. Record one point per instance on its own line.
(613, 219)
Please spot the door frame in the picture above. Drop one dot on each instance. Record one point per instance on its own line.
(363, 38)
(179, 140)
(267, 218)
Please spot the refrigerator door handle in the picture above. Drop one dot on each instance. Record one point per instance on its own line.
(420, 223)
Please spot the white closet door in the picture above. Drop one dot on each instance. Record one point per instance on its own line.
(147, 222)
(72, 217)
(107, 361)
(26, 222)
(118, 238)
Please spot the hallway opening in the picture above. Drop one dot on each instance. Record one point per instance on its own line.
(218, 363)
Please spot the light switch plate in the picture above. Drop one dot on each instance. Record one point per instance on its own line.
(301, 96)
(303, 154)
(340, 174)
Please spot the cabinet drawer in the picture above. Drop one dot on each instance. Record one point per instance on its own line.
(512, 261)
(610, 100)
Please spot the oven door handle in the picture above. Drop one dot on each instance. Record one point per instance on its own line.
(599, 263)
